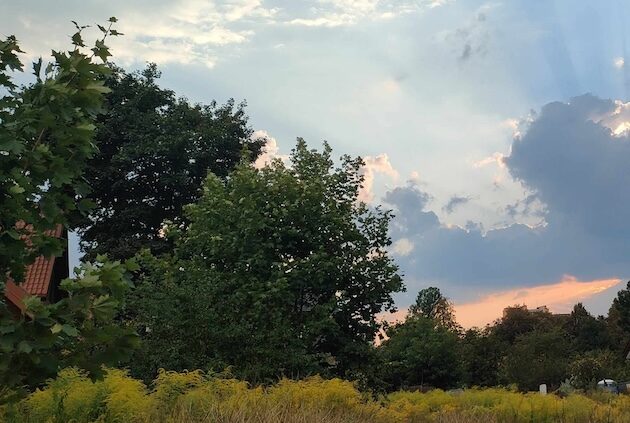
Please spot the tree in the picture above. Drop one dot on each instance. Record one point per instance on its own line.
(537, 357)
(155, 151)
(281, 271)
(587, 332)
(481, 354)
(431, 304)
(46, 136)
(619, 317)
(587, 368)
(419, 353)
(518, 320)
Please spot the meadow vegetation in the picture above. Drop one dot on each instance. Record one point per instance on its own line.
(188, 397)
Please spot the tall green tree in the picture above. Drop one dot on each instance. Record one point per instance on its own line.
(587, 332)
(281, 271)
(431, 304)
(481, 354)
(419, 353)
(619, 318)
(155, 150)
(46, 136)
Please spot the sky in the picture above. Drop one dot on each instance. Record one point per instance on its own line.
(496, 131)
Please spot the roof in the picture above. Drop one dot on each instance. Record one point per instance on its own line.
(37, 278)
(38, 275)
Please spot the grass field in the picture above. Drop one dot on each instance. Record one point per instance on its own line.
(192, 397)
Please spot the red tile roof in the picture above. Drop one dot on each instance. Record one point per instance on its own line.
(38, 275)
(15, 294)
(37, 278)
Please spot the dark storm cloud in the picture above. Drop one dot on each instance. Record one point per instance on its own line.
(577, 168)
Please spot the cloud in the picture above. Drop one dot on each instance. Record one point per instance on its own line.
(411, 219)
(271, 150)
(373, 166)
(402, 247)
(619, 62)
(528, 206)
(471, 39)
(454, 202)
(414, 177)
(495, 159)
(200, 32)
(575, 167)
(559, 297)
(334, 13)
(180, 31)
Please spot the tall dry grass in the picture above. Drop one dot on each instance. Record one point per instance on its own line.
(192, 397)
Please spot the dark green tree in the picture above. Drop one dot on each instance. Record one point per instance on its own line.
(281, 271)
(619, 319)
(537, 357)
(518, 320)
(481, 354)
(431, 304)
(587, 332)
(155, 150)
(418, 353)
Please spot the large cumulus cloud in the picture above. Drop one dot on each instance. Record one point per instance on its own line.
(574, 158)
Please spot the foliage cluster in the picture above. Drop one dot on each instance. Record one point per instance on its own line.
(154, 152)
(46, 138)
(281, 272)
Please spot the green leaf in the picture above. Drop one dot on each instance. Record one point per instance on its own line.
(70, 330)
(77, 40)
(37, 67)
(16, 189)
(24, 347)
(132, 265)
(105, 307)
(90, 281)
(85, 205)
(13, 234)
(98, 87)
(89, 127)
(57, 327)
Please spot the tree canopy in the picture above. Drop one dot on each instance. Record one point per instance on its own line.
(431, 304)
(281, 271)
(417, 353)
(155, 150)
